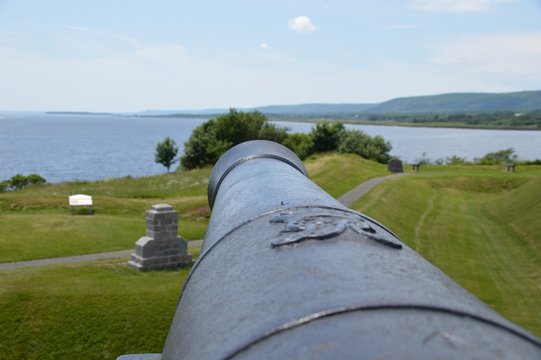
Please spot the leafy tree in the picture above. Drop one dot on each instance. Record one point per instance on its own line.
(358, 142)
(326, 135)
(166, 152)
(499, 157)
(237, 127)
(301, 144)
(203, 147)
(272, 132)
(212, 138)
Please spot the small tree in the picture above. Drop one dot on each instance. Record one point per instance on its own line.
(211, 139)
(499, 157)
(166, 152)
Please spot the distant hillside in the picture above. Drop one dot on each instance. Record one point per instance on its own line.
(316, 109)
(464, 103)
(524, 101)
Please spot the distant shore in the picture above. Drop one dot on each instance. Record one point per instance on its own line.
(449, 125)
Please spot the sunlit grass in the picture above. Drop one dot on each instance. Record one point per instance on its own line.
(94, 310)
(340, 173)
(479, 225)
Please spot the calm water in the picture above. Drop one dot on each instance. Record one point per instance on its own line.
(410, 143)
(69, 147)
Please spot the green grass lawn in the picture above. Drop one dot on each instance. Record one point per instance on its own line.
(479, 225)
(93, 310)
(340, 173)
(35, 223)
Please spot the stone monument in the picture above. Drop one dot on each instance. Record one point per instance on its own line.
(161, 248)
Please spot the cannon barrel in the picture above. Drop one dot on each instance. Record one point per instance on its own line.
(286, 271)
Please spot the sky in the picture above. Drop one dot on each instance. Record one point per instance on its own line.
(134, 55)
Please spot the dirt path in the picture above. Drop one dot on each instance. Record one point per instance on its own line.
(347, 199)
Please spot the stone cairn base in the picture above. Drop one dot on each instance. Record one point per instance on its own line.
(161, 248)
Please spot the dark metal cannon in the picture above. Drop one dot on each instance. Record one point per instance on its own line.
(286, 271)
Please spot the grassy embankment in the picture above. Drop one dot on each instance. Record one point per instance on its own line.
(36, 222)
(480, 225)
(101, 309)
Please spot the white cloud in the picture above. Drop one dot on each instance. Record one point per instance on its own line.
(302, 25)
(456, 5)
(264, 45)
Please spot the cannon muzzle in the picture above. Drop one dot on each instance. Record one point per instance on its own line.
(287, 272)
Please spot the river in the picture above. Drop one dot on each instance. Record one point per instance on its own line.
(91, 147)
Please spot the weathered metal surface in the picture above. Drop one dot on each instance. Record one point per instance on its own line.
(286, 271)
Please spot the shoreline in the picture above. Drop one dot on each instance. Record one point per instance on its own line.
(405, 124)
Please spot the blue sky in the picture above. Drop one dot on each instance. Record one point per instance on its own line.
(132, 55)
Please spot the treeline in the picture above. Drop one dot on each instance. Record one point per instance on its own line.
(506, 120)
(499, 119)
(214, 137)
(500, 157)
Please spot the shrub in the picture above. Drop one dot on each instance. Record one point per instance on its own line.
(35, 179)
(4, 185)
(498, 157)
(358, 142)
(455, 160)
(301, 144)
(326, 135)
(19, 182)
(272, 132)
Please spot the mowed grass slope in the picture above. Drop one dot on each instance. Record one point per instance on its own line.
(102, 309)
(35, 223)
(479, 225)
(94, 310)
(340, 173)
